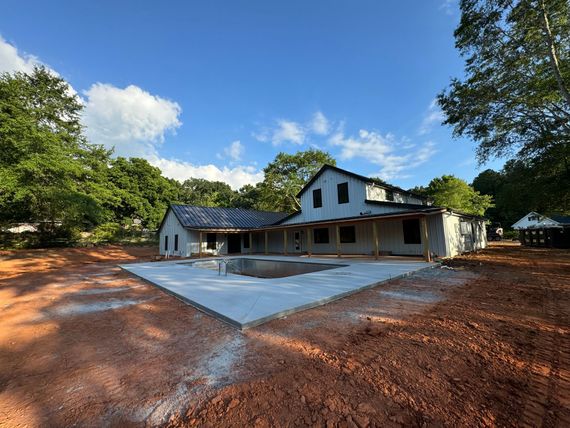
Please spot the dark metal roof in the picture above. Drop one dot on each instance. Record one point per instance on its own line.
(358, 177)
(562, 219)
(192, 217)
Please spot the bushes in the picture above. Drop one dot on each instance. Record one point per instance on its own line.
(106, 233)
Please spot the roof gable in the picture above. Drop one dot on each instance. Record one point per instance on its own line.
(362, 178)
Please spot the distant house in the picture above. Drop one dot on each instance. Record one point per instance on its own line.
(342, 213)
(537, 230)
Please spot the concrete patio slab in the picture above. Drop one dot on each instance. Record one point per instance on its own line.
(246, 301)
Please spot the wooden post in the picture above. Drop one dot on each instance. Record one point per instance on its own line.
(425, 239)
(337, 240)
(200, 246)
(375, 234)
(309, 241)
(250, 242)
(266, 244)
(285, 242)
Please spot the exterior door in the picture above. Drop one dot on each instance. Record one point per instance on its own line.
(234, 243)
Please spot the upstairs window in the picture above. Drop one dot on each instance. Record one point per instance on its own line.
(347, 234)
(317, 198)
(342, 190)
(412, 231)
(389, 195)
(321, 236)
(210, 241)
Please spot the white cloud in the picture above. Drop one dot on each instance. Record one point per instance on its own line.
(433, 116)
(11, 60)
(392, 155)
(320, 124)
(448, 6)
(234, 151)
(288, 131)
(132, 120)
(236, 177)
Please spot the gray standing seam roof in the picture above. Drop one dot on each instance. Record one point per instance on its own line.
(224, 218)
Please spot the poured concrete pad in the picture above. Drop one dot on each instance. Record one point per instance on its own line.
(246, 301)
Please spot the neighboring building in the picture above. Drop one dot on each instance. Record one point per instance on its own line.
(536, 230)
(341, 213)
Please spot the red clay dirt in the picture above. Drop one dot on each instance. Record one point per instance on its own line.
(483, 343)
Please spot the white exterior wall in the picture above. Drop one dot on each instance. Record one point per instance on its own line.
(541, 221)
(458, 242)
(331, 209)
(170, 228)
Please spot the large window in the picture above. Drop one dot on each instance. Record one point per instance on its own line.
(246, 240)
(347, 234)
(342, 190)
(175, 242)
(210, 241)
(412, 231)
(321, 236)
(389, 195)
(317, 198)
(166, 243)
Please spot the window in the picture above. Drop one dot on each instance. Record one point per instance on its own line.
(175, 242)
(210, 241)
(465, 228)
(342, 190)
(347, 234)
(317, 198)
(321, 236)
(166, 243)
(412, 231)
(246, 240)
(389, 195)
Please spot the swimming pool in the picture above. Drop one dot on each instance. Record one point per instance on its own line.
(263, 268)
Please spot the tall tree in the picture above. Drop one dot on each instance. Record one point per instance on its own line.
(48, 171)
(201, 192)
(515, 97)
(452, 192)
(286, 176)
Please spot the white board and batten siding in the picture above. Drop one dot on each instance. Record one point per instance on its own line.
(172, 227)
(463, 234)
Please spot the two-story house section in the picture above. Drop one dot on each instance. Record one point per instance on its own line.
(342, 213)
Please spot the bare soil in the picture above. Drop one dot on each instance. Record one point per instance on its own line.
(483, 341)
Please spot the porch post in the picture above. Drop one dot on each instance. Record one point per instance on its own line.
(375, 234)
(250, 242)
(425, 239)
(337, 240)
(309, 241)
(285, 242)
(266, 244)
(200, 246)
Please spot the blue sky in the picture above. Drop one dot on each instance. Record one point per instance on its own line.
(216, 89)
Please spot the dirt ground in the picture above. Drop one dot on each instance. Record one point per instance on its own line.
(482, 342)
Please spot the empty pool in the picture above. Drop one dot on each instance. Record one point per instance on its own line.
(263, 268)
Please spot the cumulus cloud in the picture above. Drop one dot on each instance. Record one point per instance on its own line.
(392, 155)
(132, 120)
(11, 60)
(449, 7)
(320, 124)
(236, 177)
(433, 116)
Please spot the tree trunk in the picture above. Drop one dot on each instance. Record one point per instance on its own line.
(552, 53)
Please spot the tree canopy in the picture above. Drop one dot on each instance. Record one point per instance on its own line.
(452, 192)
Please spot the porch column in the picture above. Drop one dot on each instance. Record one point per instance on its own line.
(425, 239)
(250, 242)
(337, 240)
(309, 241)
(285, 242)
(266, 244)
(200, 246)
(375, 237)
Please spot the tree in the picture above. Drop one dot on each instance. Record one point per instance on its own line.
(142, 192)
(515, 97)
(248, 197)
(286, 176)
(201, 192)
(452, 192)
(48, 171)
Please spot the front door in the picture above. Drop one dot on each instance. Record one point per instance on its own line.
(234, 243)
(297, 241)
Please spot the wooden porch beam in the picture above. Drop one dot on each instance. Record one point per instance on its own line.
(309, 241)
(285, 242)
(375, 237)
(266, 244)
(250, 242)
(425, 239)
(337, 240)
(200, 246)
